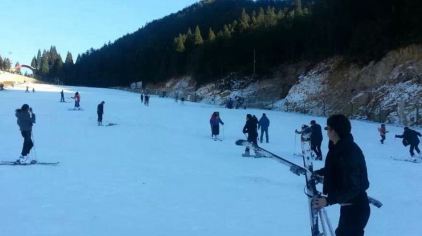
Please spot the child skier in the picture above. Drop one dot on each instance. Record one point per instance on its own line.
(215, 122)
(383, 131)
(77, 98)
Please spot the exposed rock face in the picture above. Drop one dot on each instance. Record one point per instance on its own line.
(389, 90)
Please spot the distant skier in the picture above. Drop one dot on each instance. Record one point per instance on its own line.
(33, 90)
(410, 137)
(25, 119)
(146, 99)
(263, 124)
(215, 122)
(305, 133)
(77, 98)
(316, 139)
(383, 131)
(250, 128)
(27, 89)
(62, 96)
(142, 98)
(229, 104)
(100, 112)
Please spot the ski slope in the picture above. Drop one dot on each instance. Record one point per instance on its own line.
(159, 173)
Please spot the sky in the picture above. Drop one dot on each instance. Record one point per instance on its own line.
(73, 25)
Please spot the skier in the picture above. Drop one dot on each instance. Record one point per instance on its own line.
(229, 104)
(142, 98)
(77, 98)
(62, 96)
(146, 100)
(382, 132)
(345, 178)
(215, 122)
(305, 133)
(25, 119)
(410, 137)
(27, 89)
(316, 139)
(263, 124)
(251, 129)
(100, 112)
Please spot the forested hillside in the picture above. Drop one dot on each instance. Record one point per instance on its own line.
(213, 38)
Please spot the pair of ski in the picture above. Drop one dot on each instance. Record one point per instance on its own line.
(16, 163)
(413, 160)
(317, 217)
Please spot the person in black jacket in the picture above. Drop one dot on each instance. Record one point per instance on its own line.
(410, 137)
(316, 139)
(250, 128)
(25, 119)
(100, 112)
(345, 179)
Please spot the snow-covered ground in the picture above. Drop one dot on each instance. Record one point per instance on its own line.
(158, 172)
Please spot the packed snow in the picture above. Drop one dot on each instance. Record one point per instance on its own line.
(158, 172)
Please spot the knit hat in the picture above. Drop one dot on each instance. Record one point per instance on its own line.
(340, 124)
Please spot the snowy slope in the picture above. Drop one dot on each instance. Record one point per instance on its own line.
(159, 173)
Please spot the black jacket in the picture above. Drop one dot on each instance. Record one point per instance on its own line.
(100, 108)
(316, 133)
(410, 136)
(345, 174)
(251, 127)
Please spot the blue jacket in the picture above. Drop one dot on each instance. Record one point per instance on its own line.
(264, 122)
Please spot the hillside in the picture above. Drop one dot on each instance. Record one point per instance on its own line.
(212, 39)
(9, 79)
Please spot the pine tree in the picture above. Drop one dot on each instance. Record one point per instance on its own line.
(226, 31)
(69, 59)
(198, 37)
(34, 62)
(18, 68)
(7, 64)
(190, 40)
(38, 59)
(44, 68)
(211, 35)
(179, 43)
(244, 20)
(1, 63)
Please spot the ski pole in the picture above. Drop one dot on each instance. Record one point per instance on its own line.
(33, 147)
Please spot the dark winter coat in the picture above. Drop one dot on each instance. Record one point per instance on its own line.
(263, 122)
(345, 174)
(316, 134)
(251, 128)
(100, 108)
(215, 122)
(25, 120)
(410, 136)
